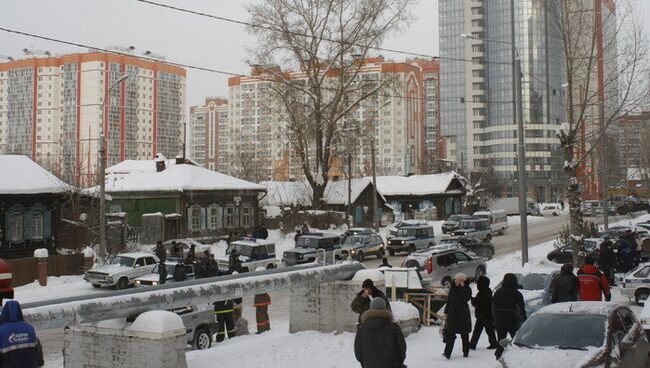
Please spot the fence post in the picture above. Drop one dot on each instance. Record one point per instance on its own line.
(41, 260)
(89, 258)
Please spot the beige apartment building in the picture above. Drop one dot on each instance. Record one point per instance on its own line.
(206, 122)
(52, 109)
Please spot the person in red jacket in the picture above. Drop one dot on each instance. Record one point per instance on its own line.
(592, 283)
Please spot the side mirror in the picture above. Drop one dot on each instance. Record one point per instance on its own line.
(504, 343)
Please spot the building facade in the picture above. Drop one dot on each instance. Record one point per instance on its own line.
(634, 130)
(205, 124)
(477, 114)
(53, 109)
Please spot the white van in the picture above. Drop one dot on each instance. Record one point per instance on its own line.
(551, 209)
(498, 219)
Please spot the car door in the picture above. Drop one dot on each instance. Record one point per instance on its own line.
(140, 268)
(464, 264)
(635, 351)
(446, 265)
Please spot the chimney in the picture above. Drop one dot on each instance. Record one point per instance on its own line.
(160, 166)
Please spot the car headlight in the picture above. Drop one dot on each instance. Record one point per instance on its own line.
(154, 283)
(353, 251)
(108, 278)
(137, 283)
(403, 242)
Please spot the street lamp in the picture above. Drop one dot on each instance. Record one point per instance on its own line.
(102, 172)
(521, 149)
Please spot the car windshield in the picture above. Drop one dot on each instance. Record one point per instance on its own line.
(533, 281)
(467, 225)
(123, 261)
(406, 232)
(242, 249)
(448, 241)
(355, 240)
(455, 218)
(565, 331)
(307, 242)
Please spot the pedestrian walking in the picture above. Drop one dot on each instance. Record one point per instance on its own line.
(508, 309)
(482, 303)
(593, 284)
(458, 320)
(261, 303)
(162, 273)
(565, 286)
(379, 342)
(384, 263)
(368, 293)
(19, 346)
(191, 254)
(161, 253)
(223, 311)
(606, 259)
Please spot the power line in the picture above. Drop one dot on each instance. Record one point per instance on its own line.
(293, 33)
(206, 69)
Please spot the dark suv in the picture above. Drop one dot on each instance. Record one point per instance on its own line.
(308, 247)
(362, 245)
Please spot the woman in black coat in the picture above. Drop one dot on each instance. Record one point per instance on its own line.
(482, 303)
(458, 320)
(508, 309)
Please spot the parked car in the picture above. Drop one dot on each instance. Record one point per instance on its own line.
(153, 278)
(309, 245)
(564, 254)
(362, 245)
(122, 270)
(199, 322)
(536, 289)
(475, 227)
(578, 334)
(392, 232)
(452, 223)
(511, 206)
(441, 262)
(636, 283)
(471, 244)
(497, 219)
(253, 253)
(411, 238)
(357, 231)
(550, 209)
(644, 319)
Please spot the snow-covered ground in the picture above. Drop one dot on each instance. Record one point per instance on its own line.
(516, 220)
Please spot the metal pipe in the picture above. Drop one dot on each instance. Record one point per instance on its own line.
(123, 303)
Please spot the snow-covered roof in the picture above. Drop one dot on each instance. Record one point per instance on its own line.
(636, 174)
(142, 176)
(417, 185)
(286, 193)
(25, 176)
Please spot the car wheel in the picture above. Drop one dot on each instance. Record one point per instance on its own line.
(446, 282)
(412, 248)
(337, 257)
(202, 339)
(391, 252)
(122, 283)
(641, 295)
(480, 271)
(360, 256)
(381, 254)
(270, 266)
(96, 286)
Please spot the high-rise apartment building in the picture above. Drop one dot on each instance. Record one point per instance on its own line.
(205, 124)
(477, 115)
(634, 129)
(256, 146)
(52, 110)
(434, 144)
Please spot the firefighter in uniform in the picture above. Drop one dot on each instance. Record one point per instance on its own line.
(223, 311)
(261, 303)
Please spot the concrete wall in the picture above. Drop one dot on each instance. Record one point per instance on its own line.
(100, 347)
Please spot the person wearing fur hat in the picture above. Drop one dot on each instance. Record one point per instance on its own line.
(379, 342)
(368, 293)
(458, 320)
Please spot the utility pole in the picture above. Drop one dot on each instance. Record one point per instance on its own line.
(603, 165)
(349, 182)
(102, 196)
(375, 223)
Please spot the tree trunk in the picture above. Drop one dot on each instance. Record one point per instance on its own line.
(318, 194)
(575, 215)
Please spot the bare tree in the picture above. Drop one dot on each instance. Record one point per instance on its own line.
(325, 43)
(603, 62)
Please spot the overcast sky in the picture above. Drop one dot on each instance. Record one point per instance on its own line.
(180, 37)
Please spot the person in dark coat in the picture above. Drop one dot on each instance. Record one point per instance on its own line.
(379, 342)
(210, 267)
(162, 272)
(369, 292)
(161, 253)
(606, 258)
(482, 303)
(223, 311)
(234, 263)
(191, 254)
(508, 309)
(180, 274)
(458, 320)
(384, 263)
(19, 346)
(565, 286)
(176, 251)
(297, 236)
(626, 255)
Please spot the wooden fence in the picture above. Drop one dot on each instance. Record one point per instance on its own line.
(25, 270)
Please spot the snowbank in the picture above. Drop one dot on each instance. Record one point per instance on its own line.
(88, 252)
(157, 322)
(40, 253)
(404, 311)
(373, 274)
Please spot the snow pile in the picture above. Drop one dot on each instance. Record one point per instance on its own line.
(117, 323)
(88, 252)
(157, 322)
(373, 274)
(40, 253)
(404, 311)
(27, 177)
(57, 287)
(272, 211)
